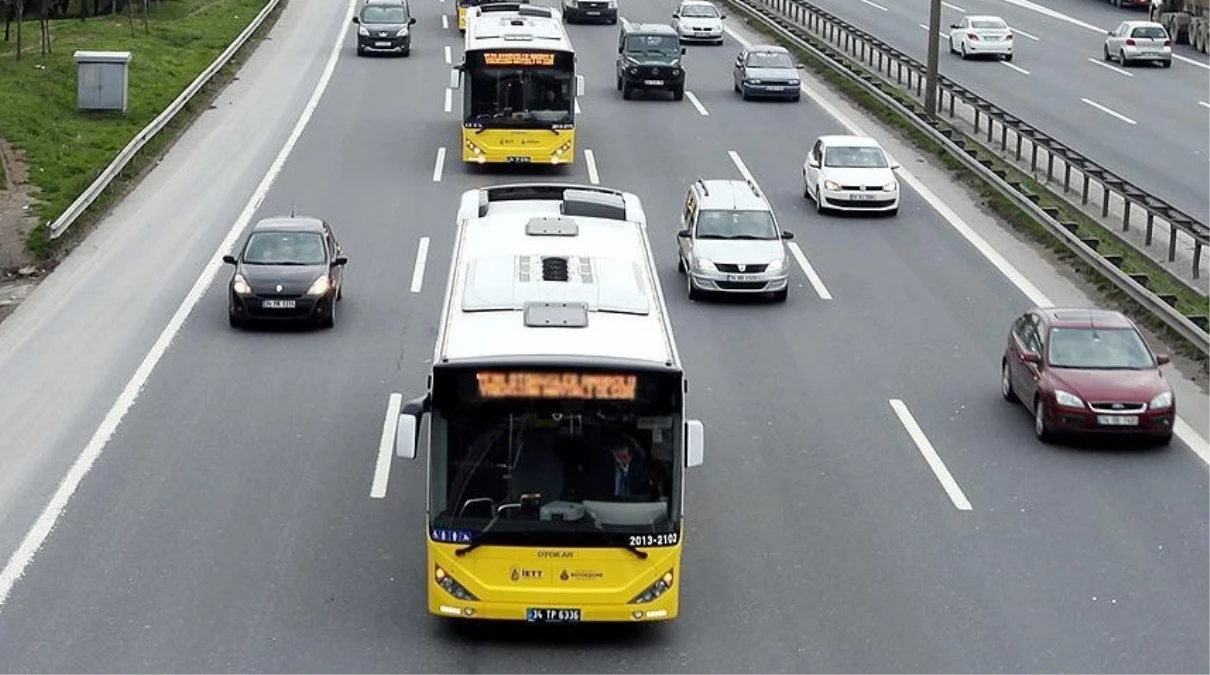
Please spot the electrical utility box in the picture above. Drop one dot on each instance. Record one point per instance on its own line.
(103, 80)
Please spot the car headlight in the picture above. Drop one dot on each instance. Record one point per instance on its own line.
(363, 31)
(890, 187)
(612, 4)
(322, 285)
(831, 185)
(449, 585)
(1161, 401)
(753, 81)
(776, 266)
(794, 83)
(705, 265)
(403, 32)
(240, 285)
(1068, 399)
(655, 590)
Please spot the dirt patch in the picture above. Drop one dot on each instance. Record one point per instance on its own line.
(16, 218)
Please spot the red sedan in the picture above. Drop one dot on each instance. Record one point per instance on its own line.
(1086, 371)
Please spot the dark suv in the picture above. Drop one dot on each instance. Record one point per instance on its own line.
(649, 57)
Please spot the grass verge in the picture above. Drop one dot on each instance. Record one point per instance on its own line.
(1159, 280)
(66, 150)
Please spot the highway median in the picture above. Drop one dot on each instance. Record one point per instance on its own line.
(62, 150)
(1128, 260)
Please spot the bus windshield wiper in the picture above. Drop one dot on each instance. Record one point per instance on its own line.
(635, 550)
(478, 540)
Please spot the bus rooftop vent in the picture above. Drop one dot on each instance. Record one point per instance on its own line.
(551, 227)
(593, 204)
(556, 314)
(554, 268)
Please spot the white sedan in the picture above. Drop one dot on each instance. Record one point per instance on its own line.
(850, 173)
(982, 35)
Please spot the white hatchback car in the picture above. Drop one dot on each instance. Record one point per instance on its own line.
(981, 35)
(1135, 41)
(698, 21)
(850, 173)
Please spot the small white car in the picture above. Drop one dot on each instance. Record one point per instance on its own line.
(1134, 41)
(850, 173)
(982, 36)
(698, 21)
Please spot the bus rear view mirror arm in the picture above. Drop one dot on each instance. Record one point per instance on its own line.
(407, 431)
(579, 86)
(694, 443)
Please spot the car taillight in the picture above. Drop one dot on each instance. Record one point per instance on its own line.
(972, 36)
(1009, 36)
(1167, 43)
(1130, 42)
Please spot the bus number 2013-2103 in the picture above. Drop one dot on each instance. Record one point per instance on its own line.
(668, 539)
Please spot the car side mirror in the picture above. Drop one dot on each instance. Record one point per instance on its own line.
(340, 260)
(800, 66)
(954, 26)
(356, 19)
(813, 163)
(683, 234)
(722, 16)
(695, 443)
(412, 21)
(455, 78)
(1162, 359)
(895, 165)
(787, 235)
(1109, 33)
(1030, 357)
(229, 259)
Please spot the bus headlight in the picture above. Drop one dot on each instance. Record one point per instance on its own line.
(449, 585)
(474, 148)
(655, 590)
(562, 148)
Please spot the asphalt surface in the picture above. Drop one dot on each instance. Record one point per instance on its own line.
(1162, 145)
(228, 524)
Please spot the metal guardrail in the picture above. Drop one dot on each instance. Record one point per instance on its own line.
(128, 153)
(906, 71)
(1181, 324)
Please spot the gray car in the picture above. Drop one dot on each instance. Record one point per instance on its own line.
(731, 242)
(1135, 41)
(766, 71)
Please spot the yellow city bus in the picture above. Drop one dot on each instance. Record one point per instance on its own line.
(519, 87)
(463, 6)
(555, 365)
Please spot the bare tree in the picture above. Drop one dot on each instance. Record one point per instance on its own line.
(44, 25)
(146, 19)
(9, 10)
(130, 6)
(20, 20)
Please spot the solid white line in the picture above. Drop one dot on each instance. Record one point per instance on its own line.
(590, 160)
(439, 166)
(816, 282)
(422, 256)
(445, 20)
(930, 455)
(956, 8)
(1019, 69)
(939, 33)
(1112, 67)
(874, 5)
(448, 58)
(449, 99)
(36, 536)
(1203, 104)
(577, 102)
(386, 445)
(1018, 31)
(697, 104)
(1107, 111)
(1190, 61)
(739, 164)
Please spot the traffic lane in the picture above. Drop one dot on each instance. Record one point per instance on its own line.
(70, 348)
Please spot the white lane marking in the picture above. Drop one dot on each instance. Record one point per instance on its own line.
(1186, 59)
(386, 446)
(739, 164)
(422, 256)
(1198, 444)
(1112, 67)
(448, 58)
(812, 276)
(590, 160)
(874, 5)
(930, 455)
(1203, 104)
(956, 8)
(697, 104)
(41, 529)
(1019, 69)
(1107, 111)
(1018, 31)
(577, 102)
(445, 21)
(439, 166)
(449, 99)
(939, 33)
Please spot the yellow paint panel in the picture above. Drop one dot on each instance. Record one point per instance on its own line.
(505, 146)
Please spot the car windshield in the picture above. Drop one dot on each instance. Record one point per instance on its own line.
(1098, 348)
(699, 11)
(736, 225)
(769, 60)
(382, 14)
(860, 157)
(653, 45)
(988, 23)
(1153, 32)
(284, 248)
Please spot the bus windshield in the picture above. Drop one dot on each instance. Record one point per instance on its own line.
(520, 89)
(587, 467)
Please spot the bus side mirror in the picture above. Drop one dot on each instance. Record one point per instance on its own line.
(407, 427)
(695, 443)
(579, 86)
(455, 78)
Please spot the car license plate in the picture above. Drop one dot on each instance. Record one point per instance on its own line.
(776, 88)
(739, 277)
(551, 615)
(654, 83)
(382, 44)
(1118, 420)
(593, 12)
(278, 304)
(518, 160)
(862, 197)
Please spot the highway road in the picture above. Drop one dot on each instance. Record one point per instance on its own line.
(1148, 125)
(227, 523)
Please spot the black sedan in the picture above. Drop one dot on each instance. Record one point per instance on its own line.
(288, 269)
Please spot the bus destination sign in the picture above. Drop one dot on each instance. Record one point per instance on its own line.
(584, 386)
(521, 59)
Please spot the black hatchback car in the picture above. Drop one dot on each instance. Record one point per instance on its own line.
(384, 26)
(288, 269)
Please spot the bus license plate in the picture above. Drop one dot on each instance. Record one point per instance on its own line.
(278, 304)
(550, 615)
(518, 160)
(653, 83)
(1118, 420)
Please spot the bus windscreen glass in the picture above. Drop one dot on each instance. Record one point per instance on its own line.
(519, 88)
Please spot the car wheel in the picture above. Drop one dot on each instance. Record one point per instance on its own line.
(1008, 57)
(340, 292)
(1163, 441)
(1108, 56)
(1122, 58)
(694, 293)
(819, 207)
(627, 92)
(952, 50)
(735, 86)
(744, 95)
(619, 82)
(806, 187)
(893, 212)
(329, 321)
(1041, 429)
(780, 296)
(361, 52)
(1006, 383)
(794, 99)
(965, 56)
(680, 265)
(678, 94)
(407, 51)
(1166, 64)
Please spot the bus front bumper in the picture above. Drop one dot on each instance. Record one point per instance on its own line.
(487, 151)
(662, 609)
